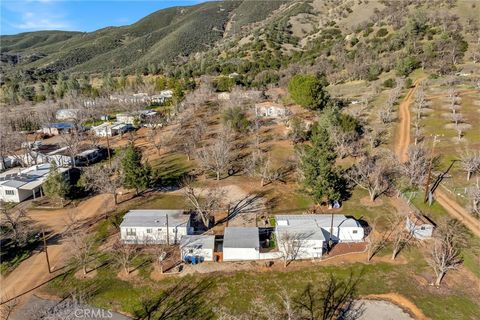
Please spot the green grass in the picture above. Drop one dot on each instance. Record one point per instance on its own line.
(171, 168)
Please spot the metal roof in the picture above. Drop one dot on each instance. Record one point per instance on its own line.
(241, 237)
(321, 220)
(154, 218)
(198, 241)
(29, 178)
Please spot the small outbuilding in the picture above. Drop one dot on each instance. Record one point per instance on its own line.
(197, 248)
(241, 243)
(270, 110)
(419, 225)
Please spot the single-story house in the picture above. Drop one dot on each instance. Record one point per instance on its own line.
(270, 110)
(157, 226)
(127, 117)
(419, 225)
(19, 185)
(197, 248)
(56, 128)
(8, 162)
(313, 232)
(241, 243)
(108, 129)
(63, 158)
(67, 114)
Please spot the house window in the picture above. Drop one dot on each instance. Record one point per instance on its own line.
(149, 230)
(131, 232)
(10, 192)
(159, 229)
(355, 231)
(422, 228)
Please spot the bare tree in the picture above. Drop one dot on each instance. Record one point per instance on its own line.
(17, 224)
(8, 307)
(377, 240)
(474, 196)
(124, 254)
(415, 169)
(259, 164)
(217, 157)
(445, 250)
(81, 245)
(103, 179)
(373, 174)
(72, 141)
(205, 202)
(291, 245)
(456, 118)
(470, 161)
(400, 237)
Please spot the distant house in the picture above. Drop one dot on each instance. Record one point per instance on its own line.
(197, 248)
(63, 158)
(156, 226)
(56, 128)
(67, 114)
(420, 226)
(270, 110)
(163, 96)
(313, 231)
(19, 185)
(128, 118)
(107, 129)
(241, 243)
(8, 162)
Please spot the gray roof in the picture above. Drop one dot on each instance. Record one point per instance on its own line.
(154, 218)
(320, 220)
(198, 241)
(303, 233)
(28, 178)
(241, 237)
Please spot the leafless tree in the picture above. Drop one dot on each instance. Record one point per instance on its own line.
(474, 196)
(217, 157)
(259, 164)
(291, 246)
(376, 240)
(103, 179)
(416, 167)
(204, 201)
(456, 118)
(470, 161)
(72, 141)
(445, 249)
(81, 245)
(17, 224)
(400, 237)
(375, 136)
(373, 174)
(124, 254)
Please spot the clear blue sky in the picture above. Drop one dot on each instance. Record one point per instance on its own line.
(76, 15)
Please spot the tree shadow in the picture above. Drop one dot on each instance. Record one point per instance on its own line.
(183, 300)
(251, 203)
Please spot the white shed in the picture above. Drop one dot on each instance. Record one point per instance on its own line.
(199, 246)
(241, 243)
(301, 242)
(420, 226)
(158, 226)
(270, 110)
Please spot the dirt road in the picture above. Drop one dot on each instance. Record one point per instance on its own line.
(33, 271)
(402, 141)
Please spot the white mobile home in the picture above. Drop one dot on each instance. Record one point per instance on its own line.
(313, 231)
(198, 247)
(241, 243)
(155, 226)
(17, 186)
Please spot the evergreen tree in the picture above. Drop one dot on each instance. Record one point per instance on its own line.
(321, 178)
(55, 185)
(136, 175)
(309, 91)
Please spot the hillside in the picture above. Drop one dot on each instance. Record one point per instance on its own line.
(157, 38)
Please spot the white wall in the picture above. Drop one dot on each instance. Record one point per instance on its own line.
(18, 196)
(347, 234)
(158, 235)
(308, 249)
(235, 254)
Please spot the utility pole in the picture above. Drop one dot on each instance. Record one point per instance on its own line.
(168, 231)
(46, 250)
(108, 149)
(429, 176)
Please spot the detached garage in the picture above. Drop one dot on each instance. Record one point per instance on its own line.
(241, 243)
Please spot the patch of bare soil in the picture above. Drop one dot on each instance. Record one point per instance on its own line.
(369, 203)
(122, 275)
(401, 301)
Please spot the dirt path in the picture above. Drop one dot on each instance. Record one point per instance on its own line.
(401, 146)
(403, 134)
(400, 301)
(33, 272)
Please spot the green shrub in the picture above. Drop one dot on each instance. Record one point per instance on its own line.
(382, 32)
(406, 65)
(389, 83)
(236, 118)
(309, 91)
